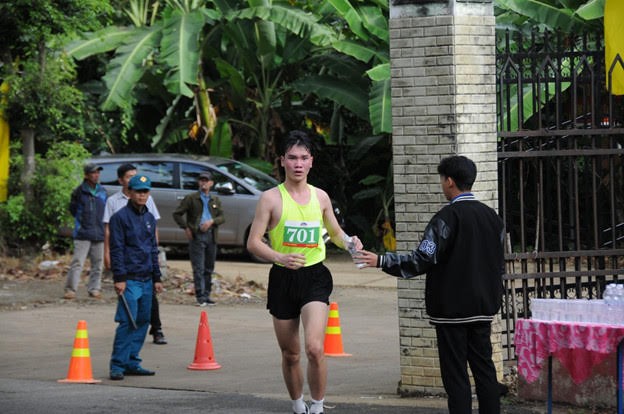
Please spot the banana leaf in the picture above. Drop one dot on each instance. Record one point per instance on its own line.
(375, 22)
(379, 72)
(101, 41)
(380, 106)
(221, 143)
(180, 49)
(327, 87)
(355, 49)
(265, 37)
(510, 118)
(294, 20)
(234, 79)
(127, 67)
(164, 123)
(538, 11)
(591, 10)
(351, 15)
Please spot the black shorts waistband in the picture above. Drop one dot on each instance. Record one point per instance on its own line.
(305, 269)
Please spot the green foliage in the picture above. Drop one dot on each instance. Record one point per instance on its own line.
(569, 16)
(42, 95)
(27, 24)
(28, 226)
(221, 143)
(373, 199)
(259, 59)
(330, 87)
(264, 166)
(45, 99)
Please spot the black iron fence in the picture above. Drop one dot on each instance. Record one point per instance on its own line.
(561, 176)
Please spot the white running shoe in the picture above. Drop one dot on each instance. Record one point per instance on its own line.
(307, 410)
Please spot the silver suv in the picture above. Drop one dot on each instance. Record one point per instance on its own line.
(173, 176)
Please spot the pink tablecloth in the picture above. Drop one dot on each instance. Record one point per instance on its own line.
(578, 346)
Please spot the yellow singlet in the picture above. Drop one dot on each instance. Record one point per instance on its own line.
(300, 228)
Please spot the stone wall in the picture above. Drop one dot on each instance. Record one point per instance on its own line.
(443, 103)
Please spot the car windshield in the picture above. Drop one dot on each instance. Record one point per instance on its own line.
(251, 176)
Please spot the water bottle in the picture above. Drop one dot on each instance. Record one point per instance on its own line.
(609, 293)
(619, 305)
(350, 245)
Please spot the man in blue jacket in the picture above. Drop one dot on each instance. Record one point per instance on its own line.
(134, 262)
(461, 252)
(87, 206)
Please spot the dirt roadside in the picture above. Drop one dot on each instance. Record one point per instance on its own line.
(38, 282)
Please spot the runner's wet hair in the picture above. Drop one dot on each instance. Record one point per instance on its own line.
(461, 169)
(297, 138)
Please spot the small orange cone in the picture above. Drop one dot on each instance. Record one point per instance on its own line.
(333, 336)
(204, 354)
(80, 362)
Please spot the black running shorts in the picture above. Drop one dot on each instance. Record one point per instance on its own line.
(290, 289)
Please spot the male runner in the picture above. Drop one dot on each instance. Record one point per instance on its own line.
(295, 213)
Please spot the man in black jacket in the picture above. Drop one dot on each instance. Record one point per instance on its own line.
(462, 254)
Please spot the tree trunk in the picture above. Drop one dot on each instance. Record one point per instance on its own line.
(28, 152)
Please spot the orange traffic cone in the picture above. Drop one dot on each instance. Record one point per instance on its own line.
(204, 354)
(80, 362)
(333, 336)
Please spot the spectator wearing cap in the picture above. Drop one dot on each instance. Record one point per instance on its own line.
(134, 262)
(116, 202)
(87, 206)
(200, 214)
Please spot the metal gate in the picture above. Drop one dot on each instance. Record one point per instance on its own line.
(561, 181)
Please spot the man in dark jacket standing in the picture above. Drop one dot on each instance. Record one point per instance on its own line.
(87, 206)
(134, 261)
(200, 215)
(462, 254)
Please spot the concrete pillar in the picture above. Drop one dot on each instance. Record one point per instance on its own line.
(443, 103)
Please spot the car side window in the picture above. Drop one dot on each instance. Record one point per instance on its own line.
(190, 172)
(160, 172)
(108, 176)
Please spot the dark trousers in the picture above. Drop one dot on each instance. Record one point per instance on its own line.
(203, 253)
(458, 347)
(155, 318)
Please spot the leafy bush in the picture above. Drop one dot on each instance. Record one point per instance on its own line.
(28, 226)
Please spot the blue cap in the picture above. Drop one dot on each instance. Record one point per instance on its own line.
(140, 182)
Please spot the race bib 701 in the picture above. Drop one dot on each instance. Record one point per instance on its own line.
(301, 233)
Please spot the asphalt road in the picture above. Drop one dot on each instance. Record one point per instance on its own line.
(36, 344)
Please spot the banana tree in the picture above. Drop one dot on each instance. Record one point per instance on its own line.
(257, 52)
(366, 40)
(252, 52)
(250, 44)
(161, 46)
